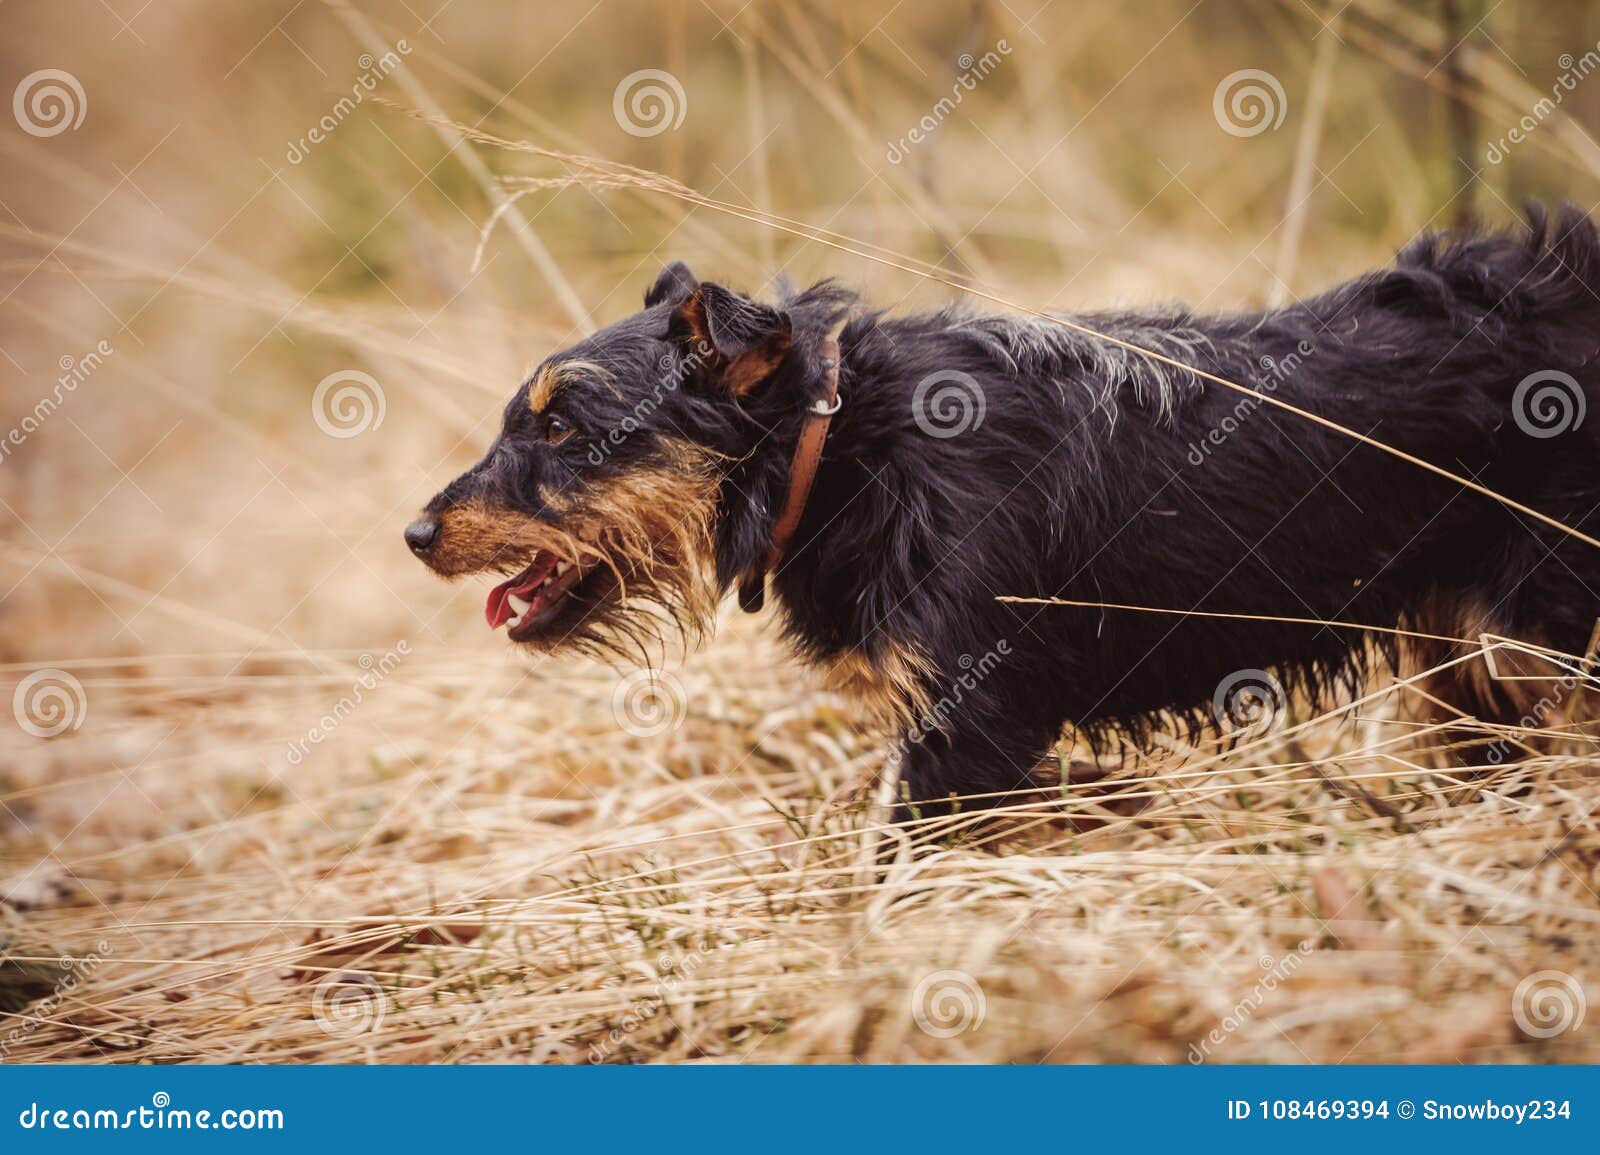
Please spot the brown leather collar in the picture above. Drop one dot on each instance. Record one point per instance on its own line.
(802, 472)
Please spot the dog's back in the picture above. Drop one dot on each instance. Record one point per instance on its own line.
(1094, 474)
(1478, 355)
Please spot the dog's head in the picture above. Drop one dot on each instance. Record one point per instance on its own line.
(605, 497)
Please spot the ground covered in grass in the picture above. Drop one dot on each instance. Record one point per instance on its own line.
(552, 865)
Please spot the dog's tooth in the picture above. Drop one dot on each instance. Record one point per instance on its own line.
(519, 605)
(562, 567)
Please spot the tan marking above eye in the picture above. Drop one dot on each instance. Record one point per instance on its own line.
(543, 388)
(558, 373)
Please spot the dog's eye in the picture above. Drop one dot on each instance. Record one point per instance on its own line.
(556, 430)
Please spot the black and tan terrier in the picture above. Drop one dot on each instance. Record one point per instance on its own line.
(897, 475)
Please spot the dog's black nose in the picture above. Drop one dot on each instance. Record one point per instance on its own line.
(421, 534)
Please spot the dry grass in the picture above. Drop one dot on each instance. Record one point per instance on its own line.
(481, 862)
(505, 874)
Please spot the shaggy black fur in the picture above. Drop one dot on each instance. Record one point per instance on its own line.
(1098, 474)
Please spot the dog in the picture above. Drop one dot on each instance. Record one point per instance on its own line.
(891, 478)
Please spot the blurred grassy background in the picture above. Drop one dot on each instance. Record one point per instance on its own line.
(184, 539)
(1086, 169)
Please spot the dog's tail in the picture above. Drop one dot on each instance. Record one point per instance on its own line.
(1525, 309)
(1548, 273)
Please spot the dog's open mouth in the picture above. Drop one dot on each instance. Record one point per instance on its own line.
(533, 599)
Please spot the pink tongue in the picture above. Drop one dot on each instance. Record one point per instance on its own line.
(498, 610)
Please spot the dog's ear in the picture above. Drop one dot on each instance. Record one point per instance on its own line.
(743, 339)
(674, 283)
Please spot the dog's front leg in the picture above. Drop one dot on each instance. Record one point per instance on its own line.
(974, 764)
